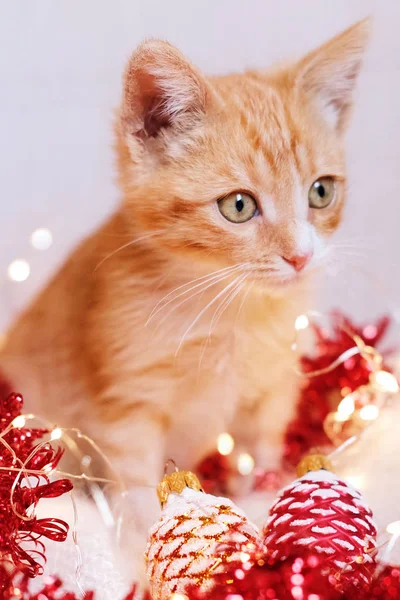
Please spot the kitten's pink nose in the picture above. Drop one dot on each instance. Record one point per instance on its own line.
(299, 261)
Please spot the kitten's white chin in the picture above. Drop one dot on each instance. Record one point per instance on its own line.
(280, 287)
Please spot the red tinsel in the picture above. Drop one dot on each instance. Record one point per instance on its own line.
(20, 531)
(320, 395)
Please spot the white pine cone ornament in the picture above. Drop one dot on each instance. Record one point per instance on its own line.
(320, 513)
(186, 546)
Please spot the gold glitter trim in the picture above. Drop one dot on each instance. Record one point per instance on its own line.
(313, 462)
(176, 482)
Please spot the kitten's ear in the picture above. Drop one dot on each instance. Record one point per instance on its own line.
(329, 73)
(161, 89)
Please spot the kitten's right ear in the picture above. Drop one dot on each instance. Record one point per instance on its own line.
(329, 73)
(161, 90)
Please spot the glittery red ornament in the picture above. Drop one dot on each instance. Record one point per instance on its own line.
(214, 472)
(329, 517)
(296, 578)
(321, 394)
(21, 533)
(386, 586)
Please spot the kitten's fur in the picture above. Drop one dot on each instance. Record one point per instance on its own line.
(83, 355)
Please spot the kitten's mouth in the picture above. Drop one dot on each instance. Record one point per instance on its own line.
(273, 281)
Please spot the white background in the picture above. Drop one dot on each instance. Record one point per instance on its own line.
(60, 78)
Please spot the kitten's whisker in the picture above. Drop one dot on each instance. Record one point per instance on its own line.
(243, 301)
(201, 313)
(131, 243)
(206, 285)
(207, 339)
(226, 302)
(203, 279)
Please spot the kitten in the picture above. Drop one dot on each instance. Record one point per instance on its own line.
(174, 321)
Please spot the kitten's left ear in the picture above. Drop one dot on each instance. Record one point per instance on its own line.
(329, 73)
(162, 89)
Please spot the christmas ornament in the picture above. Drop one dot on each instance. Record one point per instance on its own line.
(327, 516)
(214, 473)
(385, 586)
(296, 578)
(195, 538)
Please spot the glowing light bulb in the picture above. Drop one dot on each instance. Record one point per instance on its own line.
(245, 463)
(385, 381)
(225, 444)
(56, 434)
(42, 239)
(19, 270)
(346, 407)
(369, 412)
(19, 421)
(301, 322)
(393, 528)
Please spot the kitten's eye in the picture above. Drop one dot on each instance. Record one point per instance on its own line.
(238, 207)
(322, 192)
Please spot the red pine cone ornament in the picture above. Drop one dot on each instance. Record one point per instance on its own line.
(195, 538)
(323, 514)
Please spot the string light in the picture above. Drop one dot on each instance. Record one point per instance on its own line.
(345, 408)
(301, 322)
(384, 382)
(245, 464)
(19, 422)
(362, 406)
(225, 444)
(56, 434)
(369, 412)
(19, 270)
(42, 239)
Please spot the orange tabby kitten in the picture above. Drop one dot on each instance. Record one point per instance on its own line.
(174, 321)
